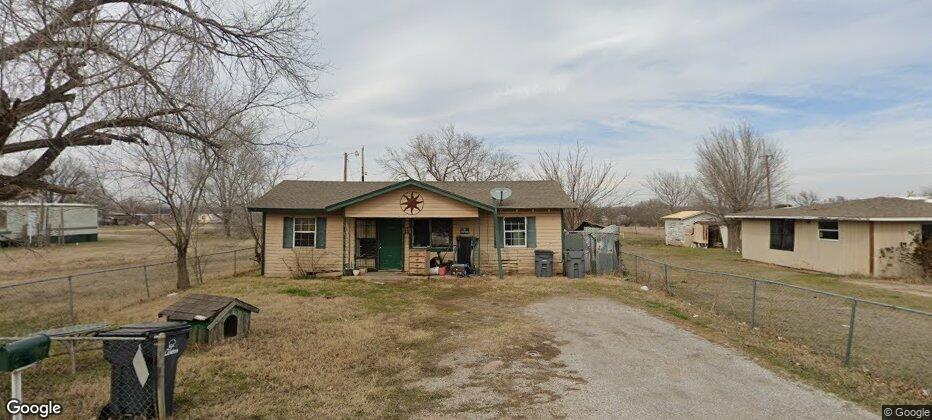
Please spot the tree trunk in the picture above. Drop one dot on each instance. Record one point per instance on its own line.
(227, 223)
(181, 265)
(734, 235)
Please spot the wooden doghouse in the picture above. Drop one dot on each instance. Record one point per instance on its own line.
(212, 318)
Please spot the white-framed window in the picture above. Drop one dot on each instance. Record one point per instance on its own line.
(828, 230)
(305, 231)
(515, 231)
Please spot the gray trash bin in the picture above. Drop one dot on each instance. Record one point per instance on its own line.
(129, 398)
(543, 263)
(574, 268)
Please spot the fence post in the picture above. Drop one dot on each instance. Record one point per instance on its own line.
(145, 277)
(666, 278)
(854, 309)
(16, 388)
(199, 268)
(754, 303)
(234, 263)
(636, 268)
(74, 319)
(160, 376)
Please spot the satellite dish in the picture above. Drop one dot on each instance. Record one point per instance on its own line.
(500, 193)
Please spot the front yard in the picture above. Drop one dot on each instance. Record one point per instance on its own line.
(358, 347)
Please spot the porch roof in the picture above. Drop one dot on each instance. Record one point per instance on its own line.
(333, 195)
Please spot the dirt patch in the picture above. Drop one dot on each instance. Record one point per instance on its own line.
(526, 382)
(924, 290)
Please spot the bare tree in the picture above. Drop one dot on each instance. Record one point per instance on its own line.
(172, 173)
(672, 188)
(922, 192)
(90, 73)
(590, 184)
(448, 155)
(244, 172)
(732, 174)
(804, 198)
(646, 212)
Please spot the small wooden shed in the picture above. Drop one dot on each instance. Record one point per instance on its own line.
(212, 318)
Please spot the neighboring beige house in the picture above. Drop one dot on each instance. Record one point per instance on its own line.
(849, 237)
(694, 228)
(330, 226)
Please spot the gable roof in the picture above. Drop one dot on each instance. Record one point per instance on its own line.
(890, 209)
(685, 214)
(196, 305)
(331, 195)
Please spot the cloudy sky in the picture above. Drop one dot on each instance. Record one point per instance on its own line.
(844, 87)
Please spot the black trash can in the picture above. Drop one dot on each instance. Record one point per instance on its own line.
(543, 263)
(129, 397)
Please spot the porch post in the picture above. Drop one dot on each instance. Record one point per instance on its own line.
(498, 243)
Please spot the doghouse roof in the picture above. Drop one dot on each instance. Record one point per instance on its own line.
(198, 306)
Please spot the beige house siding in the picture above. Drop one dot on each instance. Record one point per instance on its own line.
(521, 260)
(388, 205)
(279, 261)
(891, 234)
(850, 254)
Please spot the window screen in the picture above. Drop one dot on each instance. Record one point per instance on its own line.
(431, 233)
(515, 231)
(420, 233)
(440, 232)
(828, 230)
(367, 246)
(304, 231)
(782, 234)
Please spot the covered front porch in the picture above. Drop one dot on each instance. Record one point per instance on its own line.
(408, 245)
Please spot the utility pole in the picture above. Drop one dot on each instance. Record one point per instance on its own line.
(345, 160)
(767, 168)
(362, 164)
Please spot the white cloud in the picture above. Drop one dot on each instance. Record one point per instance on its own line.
(639, 83)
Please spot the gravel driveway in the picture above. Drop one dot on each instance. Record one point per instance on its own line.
(638, 366)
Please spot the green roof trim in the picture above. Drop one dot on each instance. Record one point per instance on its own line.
(408, 183)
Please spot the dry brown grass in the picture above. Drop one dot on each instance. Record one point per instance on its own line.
(116, 246)
(356, 348)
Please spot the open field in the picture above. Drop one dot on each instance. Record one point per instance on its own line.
(363, 348)
(116, 246)
(51, 303)
(887, 291)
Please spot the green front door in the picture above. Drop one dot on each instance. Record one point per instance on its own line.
(391, 243)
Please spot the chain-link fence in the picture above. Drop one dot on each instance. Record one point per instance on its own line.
(888, 340)
(95, 377)
(35, 305)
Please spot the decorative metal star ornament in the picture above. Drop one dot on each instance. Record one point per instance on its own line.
(411, 203)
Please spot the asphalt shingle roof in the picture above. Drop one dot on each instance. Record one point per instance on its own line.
(198, 304)
(866, 209)
(297, 195)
